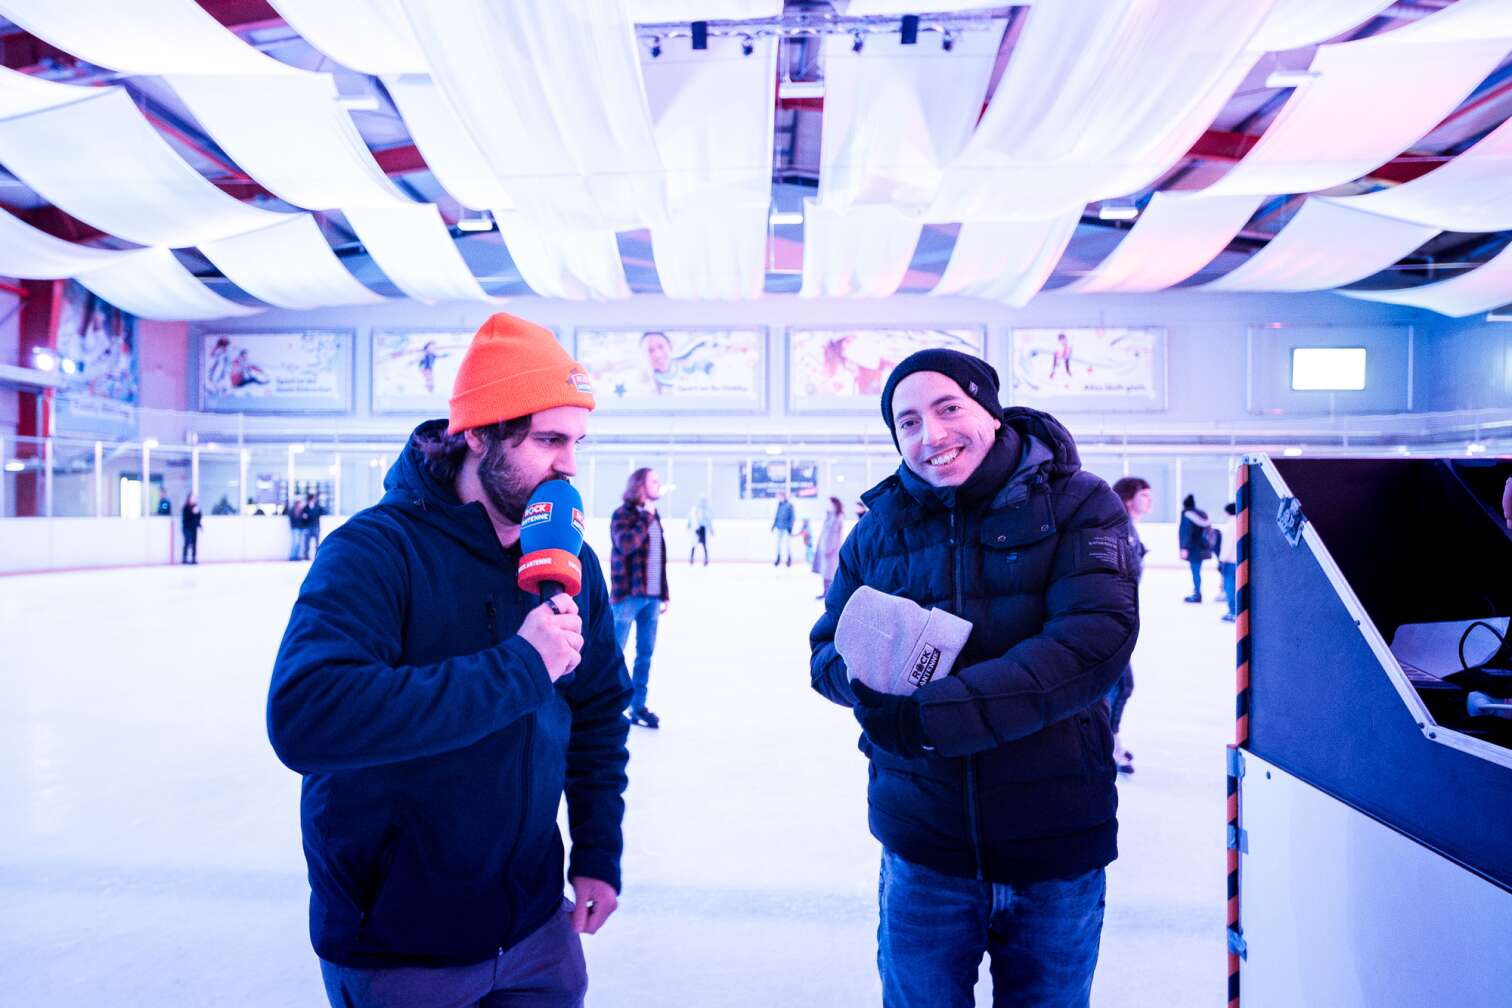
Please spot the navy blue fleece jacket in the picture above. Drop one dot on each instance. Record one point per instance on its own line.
(434, 747)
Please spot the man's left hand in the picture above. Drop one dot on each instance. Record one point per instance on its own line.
(892, 722)
(664, 606)
(595, 901)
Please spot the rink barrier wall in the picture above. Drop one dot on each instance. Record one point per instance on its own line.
(39, 544)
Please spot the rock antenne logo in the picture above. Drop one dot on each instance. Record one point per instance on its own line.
(578, 379)
(536, 514)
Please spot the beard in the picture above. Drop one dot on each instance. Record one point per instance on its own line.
(507, 488)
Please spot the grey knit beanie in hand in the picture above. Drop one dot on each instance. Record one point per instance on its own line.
(894, 645)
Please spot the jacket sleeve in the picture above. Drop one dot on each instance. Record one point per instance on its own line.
(341, 699)
(827, 672)
(1091, 622)
(596, 753)
(629, 529)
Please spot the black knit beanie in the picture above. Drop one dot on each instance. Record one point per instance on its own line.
(976, 377)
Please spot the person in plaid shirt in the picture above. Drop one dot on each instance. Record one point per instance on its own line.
(638, 581)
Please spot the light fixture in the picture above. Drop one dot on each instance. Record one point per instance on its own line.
(781, 217)
(1117, 210)
(15, 465)
(43, 359)
(772, 449)
(1475, 448)
(359, 103)
(211, 446)
(1292, 452)
(1290, 78)
(947, 40)
(800, 89)
(1498, 317)
(296, 449)
(700, 33)
(857, 42)
(372, 463)
(908, 31)
(70, 366)
(655, 46)
(482, 222)
(150, 443)
(747, 45)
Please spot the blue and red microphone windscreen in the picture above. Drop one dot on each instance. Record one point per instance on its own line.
(551, 537)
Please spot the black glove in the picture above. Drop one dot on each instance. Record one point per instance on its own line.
(893, 723)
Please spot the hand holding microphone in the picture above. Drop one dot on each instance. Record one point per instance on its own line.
(551, 537)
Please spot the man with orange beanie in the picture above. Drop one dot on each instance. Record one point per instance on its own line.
(439, 713)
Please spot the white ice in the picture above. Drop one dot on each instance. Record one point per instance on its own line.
(150, 854)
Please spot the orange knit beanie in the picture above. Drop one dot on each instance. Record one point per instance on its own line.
(514, 368)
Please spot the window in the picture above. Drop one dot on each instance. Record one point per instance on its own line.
(1328, 369)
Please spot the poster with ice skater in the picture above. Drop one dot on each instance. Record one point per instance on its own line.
(413, 372)
(96, 349)
(1087, 368)
(675, 370)
(843, 370)
(275, 372)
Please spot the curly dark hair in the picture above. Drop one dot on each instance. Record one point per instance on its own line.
(444, 453)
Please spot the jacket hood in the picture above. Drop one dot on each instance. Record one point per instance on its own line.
(410, 489)
(1042, 427)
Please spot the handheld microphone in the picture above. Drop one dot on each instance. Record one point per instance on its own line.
(551, 537)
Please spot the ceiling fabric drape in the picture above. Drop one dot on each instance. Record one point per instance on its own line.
(1176, 235)
(288, 265)
(152, 284)
(1486, 287)
(1006, 261)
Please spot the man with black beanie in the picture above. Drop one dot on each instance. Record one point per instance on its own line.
(992, 785)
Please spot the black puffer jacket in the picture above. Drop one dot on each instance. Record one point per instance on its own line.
(1021, 784)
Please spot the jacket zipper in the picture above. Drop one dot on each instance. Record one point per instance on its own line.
(956, 577)
(525, 767)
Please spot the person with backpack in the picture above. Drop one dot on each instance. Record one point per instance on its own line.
(1197, 539)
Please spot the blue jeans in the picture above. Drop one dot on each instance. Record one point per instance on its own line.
(934, 928)
(642, 610)
(1228, 571)
(1196, 566)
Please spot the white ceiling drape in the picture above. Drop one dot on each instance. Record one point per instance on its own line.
(413, 246)
(101, 162)
(372, 36)
(1372, 99)
(143, 37)
(713, 125)
(572, 265)
(30, 254)
(288, 265)
(1093, 105)
(1324, 246)
(860, 252)
(1472, 192)
(551, 91)
(150, 283)
(1176, 235)
(1486, 287)
(1006, 261)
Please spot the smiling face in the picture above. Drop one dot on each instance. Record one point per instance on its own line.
(942, 432)
(658, 351)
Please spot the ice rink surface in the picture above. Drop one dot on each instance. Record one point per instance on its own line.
(150, 853)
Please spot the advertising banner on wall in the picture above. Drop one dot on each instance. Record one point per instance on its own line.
(413, 372)
(675, 370)
(275, 372)
(1088, 368)
(96, 346)
(768, 477)
(843, 370)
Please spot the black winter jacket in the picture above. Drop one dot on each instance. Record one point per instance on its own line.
(1020, 787)
(434, 747)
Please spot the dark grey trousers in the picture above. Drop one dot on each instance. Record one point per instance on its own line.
(546, 970)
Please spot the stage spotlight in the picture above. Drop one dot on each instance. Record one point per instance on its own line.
(908, 31)
(700, 35)
(947, 41)
(857, 42)
(655, 46)
(747, 45)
